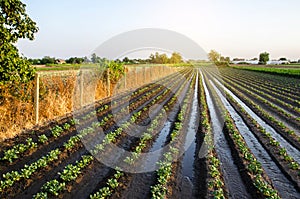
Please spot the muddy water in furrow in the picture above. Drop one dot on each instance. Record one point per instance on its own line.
(190, 140)
(233, 180)
(292, 151)
(281, 183)
(158, 147)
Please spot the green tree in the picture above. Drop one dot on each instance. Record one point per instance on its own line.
(283, 59)
(163, 59)
(264, 58)
(176, 58)
(214, 56)
(48, 60)
(14, 25)
(75, 60)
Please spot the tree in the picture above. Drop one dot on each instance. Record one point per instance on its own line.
(176, 58)
(75, 60)
(15, 24)
(264, 58)
(48, 60)
(214, 56)
(217, 59)
(283, 59)
(126, 60)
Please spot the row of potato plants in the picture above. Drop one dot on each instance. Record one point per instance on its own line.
(263, 83)
(251, 165)
(114, 182)
(109, 138)
(260, 87)
(233, 87)
(18, 150)
(273, 146)
(263, 94)
(215, 179)
(164, 172)
(137, 152)
(274, 82)
(287, 133)
(124, 97)
(272, 106)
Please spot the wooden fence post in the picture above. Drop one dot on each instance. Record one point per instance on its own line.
(108, 82)
(125, 78)
(136, 77)
(36, 98)
(144, 74)
(81, 79)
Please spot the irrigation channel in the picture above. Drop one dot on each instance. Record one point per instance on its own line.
(150, 143)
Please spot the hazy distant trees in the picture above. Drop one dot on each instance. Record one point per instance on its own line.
(283, 59)
(264, 58)
(176, 58)
(217, 59)
(157, 58)
(214, 56)
(75, 60)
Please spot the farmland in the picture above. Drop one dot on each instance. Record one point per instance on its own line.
(200, 132)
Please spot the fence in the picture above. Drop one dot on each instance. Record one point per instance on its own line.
(60, 92)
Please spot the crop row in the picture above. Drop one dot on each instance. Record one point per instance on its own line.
(164, 172)
(285, 84)
(288, 134)
(267, 97)
(237, 77)
(250, 164)
(272, 106)
(273, 147)
(215, 180)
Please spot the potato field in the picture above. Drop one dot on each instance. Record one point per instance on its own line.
(201, 132)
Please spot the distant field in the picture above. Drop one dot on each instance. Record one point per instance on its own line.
(61, 67)
(288, 70)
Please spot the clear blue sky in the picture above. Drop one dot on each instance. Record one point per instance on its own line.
(235, 28)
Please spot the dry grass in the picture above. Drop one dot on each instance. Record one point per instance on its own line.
(60, 95)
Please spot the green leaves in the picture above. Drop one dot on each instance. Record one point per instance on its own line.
(15, 24)
(54, 187)
(56, 131)
(12, 154)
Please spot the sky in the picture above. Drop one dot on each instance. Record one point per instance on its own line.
(235, 28)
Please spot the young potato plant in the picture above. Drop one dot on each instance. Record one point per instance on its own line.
(112, 184)
(56, 131)
(13, 153)
(43, 138)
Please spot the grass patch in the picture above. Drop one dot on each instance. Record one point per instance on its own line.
(291, 72)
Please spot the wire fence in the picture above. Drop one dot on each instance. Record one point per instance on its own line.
(54, 94)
